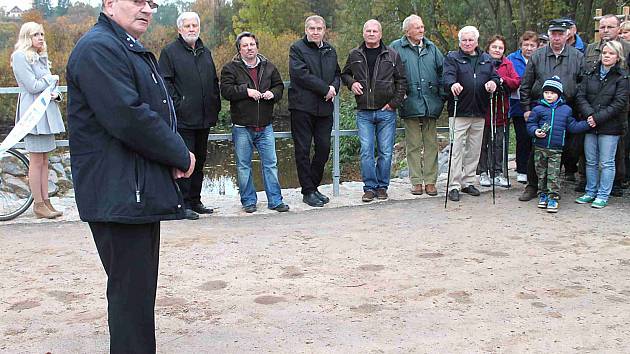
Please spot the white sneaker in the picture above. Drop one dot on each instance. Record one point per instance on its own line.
(484, 180)
(500, 181)
(521, 178)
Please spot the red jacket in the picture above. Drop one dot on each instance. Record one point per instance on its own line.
(511, 82)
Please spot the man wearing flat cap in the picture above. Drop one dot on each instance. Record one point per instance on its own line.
(556, 59)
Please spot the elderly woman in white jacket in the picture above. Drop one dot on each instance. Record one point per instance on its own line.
(32, 71)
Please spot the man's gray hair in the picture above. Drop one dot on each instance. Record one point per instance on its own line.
(468, 29)
(315, 18)
(607, 16)
(409, 20)
(380, 28)
(187, 16)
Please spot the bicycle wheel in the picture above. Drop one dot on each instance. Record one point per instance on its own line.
(15, 194)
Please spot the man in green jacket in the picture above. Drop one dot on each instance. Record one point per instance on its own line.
(423, 105)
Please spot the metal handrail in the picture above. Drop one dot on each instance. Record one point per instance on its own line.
(336, 134)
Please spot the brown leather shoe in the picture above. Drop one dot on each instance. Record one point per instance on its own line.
(381, 194)
(41, 211)
(416, 189)
(430, 189)
(51, 208)
(368, 196)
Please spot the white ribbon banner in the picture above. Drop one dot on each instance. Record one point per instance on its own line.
(31, 117)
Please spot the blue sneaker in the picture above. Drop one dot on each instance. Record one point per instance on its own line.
(552, 205)
(542, 200)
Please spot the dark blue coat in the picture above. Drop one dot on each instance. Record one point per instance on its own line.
(474, 99)
(560, 118)
(123, 143)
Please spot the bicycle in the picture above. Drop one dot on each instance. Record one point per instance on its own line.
(15, 194)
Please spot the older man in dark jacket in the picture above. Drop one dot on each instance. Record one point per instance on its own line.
(555, 59)
(125, 155)
(253, 85)
(191, 79)
(315, 81)
(470, 77)
(375, 74)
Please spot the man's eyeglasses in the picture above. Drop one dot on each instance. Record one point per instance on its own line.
(142, 3)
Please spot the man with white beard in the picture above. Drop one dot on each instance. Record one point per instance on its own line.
(191, 79)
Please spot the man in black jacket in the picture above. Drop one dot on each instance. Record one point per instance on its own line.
(191, 79)
(253, 85)
(469, 76)
(125, 154)
(555, 59)
(375, 74)
(315, 81)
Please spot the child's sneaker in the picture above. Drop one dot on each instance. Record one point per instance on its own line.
(542, 200)
(484, 180)
(585, 199)
(552, 205)
(599, 203)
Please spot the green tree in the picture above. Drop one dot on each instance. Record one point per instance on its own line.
(274, 16)
(44, 7)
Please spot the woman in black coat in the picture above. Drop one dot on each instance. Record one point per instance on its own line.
(603, 99)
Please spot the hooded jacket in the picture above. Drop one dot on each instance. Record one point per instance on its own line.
(235, 80)
(387, 85)
(559, 117)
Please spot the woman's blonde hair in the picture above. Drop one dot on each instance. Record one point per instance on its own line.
(616, 47)
(25, 43)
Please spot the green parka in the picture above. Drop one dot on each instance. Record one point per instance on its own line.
(424, 76)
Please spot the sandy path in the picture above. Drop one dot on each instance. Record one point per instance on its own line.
(399, 276)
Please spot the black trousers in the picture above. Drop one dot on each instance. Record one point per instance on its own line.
(620, 162)
(130, 256)
(197, 141)
(523, 144)
(307, 129)
(572, 153)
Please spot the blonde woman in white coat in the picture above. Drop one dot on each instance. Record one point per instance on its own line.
(32, 71)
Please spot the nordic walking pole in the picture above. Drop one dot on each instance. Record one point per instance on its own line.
(492, 154)
(506, 141)
(451, 133)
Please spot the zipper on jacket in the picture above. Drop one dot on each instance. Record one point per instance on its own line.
(135, 159)
(260, 74)
(553, 113)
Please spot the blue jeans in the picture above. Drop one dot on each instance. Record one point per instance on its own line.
(599, 150)
(245, 139)
(375, 174)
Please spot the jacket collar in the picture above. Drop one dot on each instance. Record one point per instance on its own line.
(404, 42)
(198, 44)
(239, 60)
(554, 105)
(383, 47)
(130, 43)
(563, 53)
(313, 45)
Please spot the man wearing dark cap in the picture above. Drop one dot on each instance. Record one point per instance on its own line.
(556, 59)
(574, 38)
